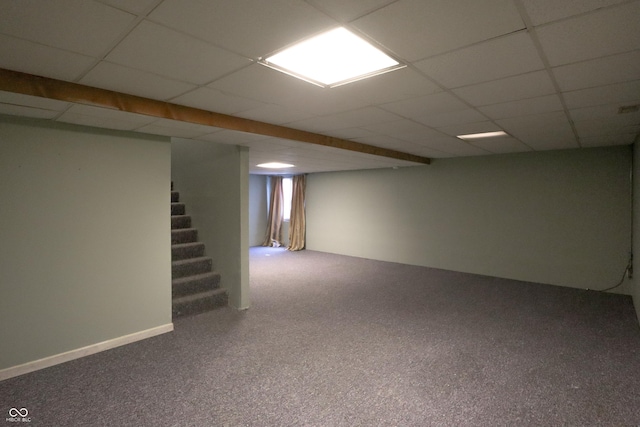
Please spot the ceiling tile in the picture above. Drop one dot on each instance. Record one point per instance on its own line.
(601, 112)
(89, 115)
(92, 30)
(350, 133)
(128, 120)
(273, 144)
(454, 146)
(623, 93)
(431, 153)
(608, 140)
(505, 56)
(542, 11)
(415, 108)
(605, 32)
(468, 128)
(389, 87)
(323, 102)
(542, 104)
(115, 77)
(99, 122)
(269, 86)
(33, 101)
(349, 119)
(398, 127)
(133, 6)
(549, 131)
(453, 118)
(216, 101)
(515, 88)
(417, 29)
(598, 72)
(385, 141)
(621, 124)
(542, 140)
(409, 148)
(316, 158)
(421, 150)
(168, 131)
(526, 125)
(177, 129)
(177, 124)
(275, 114)
(19, 110)
(501, 145)
(28, 57)
(226, 136)
(405, 129)
(174, 55)
(252, 28)
(263, 84)
(348, 10)
(318, 151)
(200, 52)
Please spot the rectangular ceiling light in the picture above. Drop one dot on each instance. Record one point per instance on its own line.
(275, 165)
(332, 59)
(483, 135)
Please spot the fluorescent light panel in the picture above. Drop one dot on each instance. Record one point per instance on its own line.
(275, 165)
(483, 135)
(331, 59)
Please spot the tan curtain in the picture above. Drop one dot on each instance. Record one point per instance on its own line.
(273, 236)
(297, 225)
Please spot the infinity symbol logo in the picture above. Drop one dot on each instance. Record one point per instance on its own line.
(22, 412)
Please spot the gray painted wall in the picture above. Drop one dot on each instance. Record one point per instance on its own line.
(258, 209)
(213, 181)
(85, 243)
(559, 217)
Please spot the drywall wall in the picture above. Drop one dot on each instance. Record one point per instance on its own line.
(560, 218)
(213, 181)
(85, 245)
(258, 209)
(635, 292)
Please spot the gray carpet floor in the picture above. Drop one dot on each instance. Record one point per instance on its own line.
(340, 341)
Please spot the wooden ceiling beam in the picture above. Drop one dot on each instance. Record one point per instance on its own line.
(44, 87)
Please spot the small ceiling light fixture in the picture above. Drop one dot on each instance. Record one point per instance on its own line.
(483, 135)
(275, 165)
(332, 59)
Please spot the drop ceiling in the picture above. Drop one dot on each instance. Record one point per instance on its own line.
(551, 73)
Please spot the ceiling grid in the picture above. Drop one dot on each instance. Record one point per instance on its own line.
(553, 74)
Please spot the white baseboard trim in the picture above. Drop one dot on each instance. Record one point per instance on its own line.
(46, 362)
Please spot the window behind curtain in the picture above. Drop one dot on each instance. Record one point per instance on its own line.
(287, 191)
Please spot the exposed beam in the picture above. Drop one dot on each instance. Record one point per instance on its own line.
(28, 84)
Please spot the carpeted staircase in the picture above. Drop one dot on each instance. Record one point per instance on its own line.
(195, 287)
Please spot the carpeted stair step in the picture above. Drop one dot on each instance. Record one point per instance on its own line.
(190, 267)
(184, 235)
(180, 221)
(195, 284)
(195, 288)
(177, 208)
(199, 303)
(187, 250)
